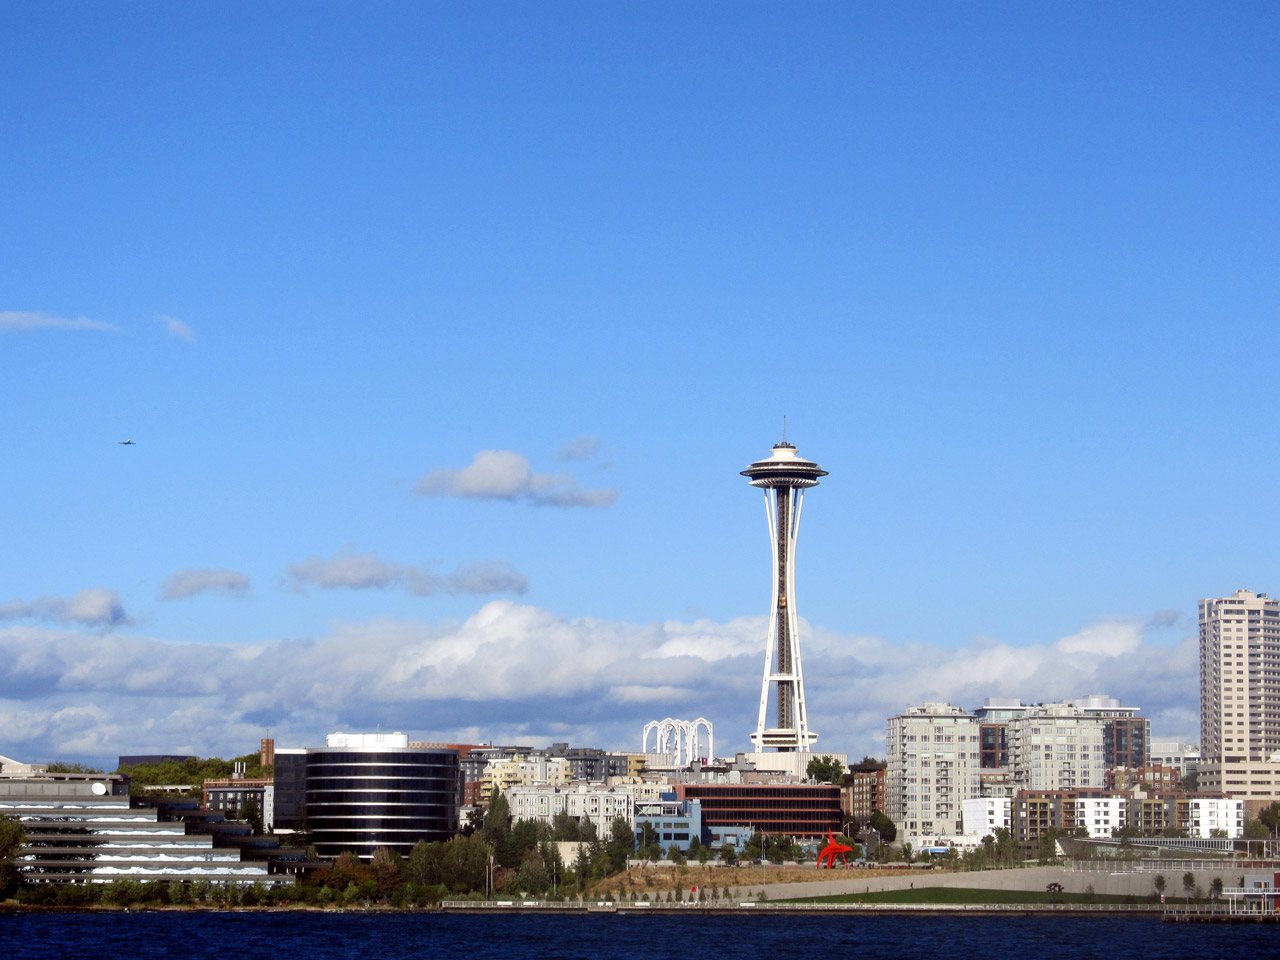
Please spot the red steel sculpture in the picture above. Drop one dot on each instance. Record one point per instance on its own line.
(830, 850)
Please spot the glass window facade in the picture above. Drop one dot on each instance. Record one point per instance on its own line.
(360, 800)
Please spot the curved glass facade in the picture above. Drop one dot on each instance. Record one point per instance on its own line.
(360, 800)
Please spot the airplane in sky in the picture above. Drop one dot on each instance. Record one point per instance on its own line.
(126, 442)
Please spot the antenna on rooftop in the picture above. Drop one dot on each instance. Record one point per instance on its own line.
(784, 428)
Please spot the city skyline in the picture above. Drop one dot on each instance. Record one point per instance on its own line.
(412, 313)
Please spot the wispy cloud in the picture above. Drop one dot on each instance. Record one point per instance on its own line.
(178, 329)
(95, 607)
(28, 320)
(518, 673)
(581, 448)
(191, 581)
(506, 475)
(355, 571)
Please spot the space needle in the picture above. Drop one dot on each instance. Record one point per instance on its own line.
(783, 476)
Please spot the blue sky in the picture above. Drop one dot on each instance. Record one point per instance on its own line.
(1009, 270)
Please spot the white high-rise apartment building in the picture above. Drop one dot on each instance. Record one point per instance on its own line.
(933, 768)
(1240, 694)
(1057, 746)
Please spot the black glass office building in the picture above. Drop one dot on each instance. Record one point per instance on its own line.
(360, 799)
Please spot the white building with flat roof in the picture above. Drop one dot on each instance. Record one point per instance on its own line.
(1181, 756)
(1058, 746)
(368, 741)
(933, 767)
(1209, 814)
(982, 816)
(1101, 816)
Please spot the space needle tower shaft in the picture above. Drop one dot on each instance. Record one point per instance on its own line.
(784, 477)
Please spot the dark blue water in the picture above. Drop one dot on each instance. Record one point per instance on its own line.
(315, 936)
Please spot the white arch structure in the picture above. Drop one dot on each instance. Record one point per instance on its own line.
(679, 738)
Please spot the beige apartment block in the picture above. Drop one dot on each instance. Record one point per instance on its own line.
(1240, 695)
(933, 768)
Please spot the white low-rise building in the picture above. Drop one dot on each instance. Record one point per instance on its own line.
(1101, 816)
(983, 815)
(594, 802)
(1208, 814)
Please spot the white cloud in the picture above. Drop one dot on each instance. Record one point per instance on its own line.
(28, 320)
(95, 607)
(189, 582)
(178, 329)
(367, 571)
(350, 570)
(522, 674)
(506, 475)
(580, 448)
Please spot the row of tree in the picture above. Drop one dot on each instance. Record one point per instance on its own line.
(192, 772)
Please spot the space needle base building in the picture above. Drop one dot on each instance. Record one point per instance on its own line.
(784, 476)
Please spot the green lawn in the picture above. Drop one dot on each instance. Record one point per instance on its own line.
(967, 895)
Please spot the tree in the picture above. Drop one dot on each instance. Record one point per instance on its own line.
(564, 827)
(825, 769)
(728, 854)
(882, 825)
(11, 840)
(1188, 884)
(1256, 830)
(533, 876)
(621, 844)
(497, 830)
(1191, 782)
(582, 867)
(387, 864)
(1048, 849)
(1160, 883)
(252, 813)
(1007, 852)
(57, 767)
(1269, 817)
(1215, 887)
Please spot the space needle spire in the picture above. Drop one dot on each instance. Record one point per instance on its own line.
(783, 476)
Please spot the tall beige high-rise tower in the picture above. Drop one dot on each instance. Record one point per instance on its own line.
(1240, 677)
(1240, 694)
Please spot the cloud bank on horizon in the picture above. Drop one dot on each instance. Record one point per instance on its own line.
(513, 672)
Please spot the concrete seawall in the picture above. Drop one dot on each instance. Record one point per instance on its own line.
(1115, 882)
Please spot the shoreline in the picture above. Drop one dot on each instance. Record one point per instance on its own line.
(739, 910)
